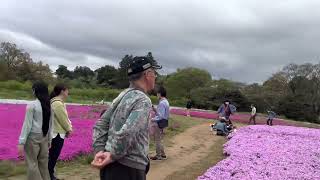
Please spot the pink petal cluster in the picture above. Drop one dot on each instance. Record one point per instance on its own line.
(264, 152)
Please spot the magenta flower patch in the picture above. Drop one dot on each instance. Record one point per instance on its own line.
(264, 152)
(82, 117)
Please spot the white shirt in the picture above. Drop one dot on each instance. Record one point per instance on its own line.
(254, 110)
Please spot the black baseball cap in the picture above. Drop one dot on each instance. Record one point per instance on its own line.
(141, 63)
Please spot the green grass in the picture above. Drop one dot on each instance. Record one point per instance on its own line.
(196, 169)
(19, 90)
(9, 168)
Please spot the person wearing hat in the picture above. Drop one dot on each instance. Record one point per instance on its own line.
(225, 111)
(121, 136)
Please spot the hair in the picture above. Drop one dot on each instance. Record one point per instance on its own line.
(162, 91)
(135, 77)
(41, 92)
(57, 90)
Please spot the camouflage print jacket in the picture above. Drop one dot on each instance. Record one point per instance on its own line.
(123, 129)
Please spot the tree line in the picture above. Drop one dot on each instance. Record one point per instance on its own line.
(294, 91)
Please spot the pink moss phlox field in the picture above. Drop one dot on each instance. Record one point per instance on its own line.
(264, 152)
(240, 118)
(82, 117)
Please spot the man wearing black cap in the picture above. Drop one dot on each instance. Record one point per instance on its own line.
(121, 137)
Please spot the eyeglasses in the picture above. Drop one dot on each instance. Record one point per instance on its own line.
(154, 73)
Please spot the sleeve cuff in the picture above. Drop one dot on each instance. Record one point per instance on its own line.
(98, 149)
(114, 157)
(21, 142)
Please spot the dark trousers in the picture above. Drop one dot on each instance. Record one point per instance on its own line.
(252, 118)
(54, 153)
(269, 121)
(117, 171)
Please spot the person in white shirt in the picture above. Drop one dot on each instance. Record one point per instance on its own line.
(253, 114)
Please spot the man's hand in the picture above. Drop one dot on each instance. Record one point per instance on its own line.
(20, 151)
(101, 159)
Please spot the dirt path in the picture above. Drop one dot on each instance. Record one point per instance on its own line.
(187, 148)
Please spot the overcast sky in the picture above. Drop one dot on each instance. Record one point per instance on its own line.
(242, 40)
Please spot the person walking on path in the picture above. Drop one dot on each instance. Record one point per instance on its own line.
(161, 119)
(253, 114)
(121, 135)
(35, 137)
(62, 127)
(271, 116)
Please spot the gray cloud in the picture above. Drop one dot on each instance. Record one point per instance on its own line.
(241, 40)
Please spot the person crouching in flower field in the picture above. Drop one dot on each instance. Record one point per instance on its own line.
(35, 137)
(221, 127)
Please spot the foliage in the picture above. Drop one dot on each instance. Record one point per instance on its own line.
(181, 83)
(16, 64)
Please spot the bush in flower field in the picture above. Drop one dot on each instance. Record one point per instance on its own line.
(264, 152)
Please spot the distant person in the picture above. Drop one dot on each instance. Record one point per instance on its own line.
(121, 135)
(221, 127)
(161, 118)
(225, 111)
(189, 106)
(253, 114)
(35, 137)
(62, 127)
(271, 116)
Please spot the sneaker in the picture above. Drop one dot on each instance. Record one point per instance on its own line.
(163, 156)
(156, 158)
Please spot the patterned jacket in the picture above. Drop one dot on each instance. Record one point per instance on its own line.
(123, 129)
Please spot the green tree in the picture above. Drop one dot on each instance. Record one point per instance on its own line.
(122, 78)
(106, 75)
(10, 54)
(62, 72)
(84, 74)
(181, 83)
